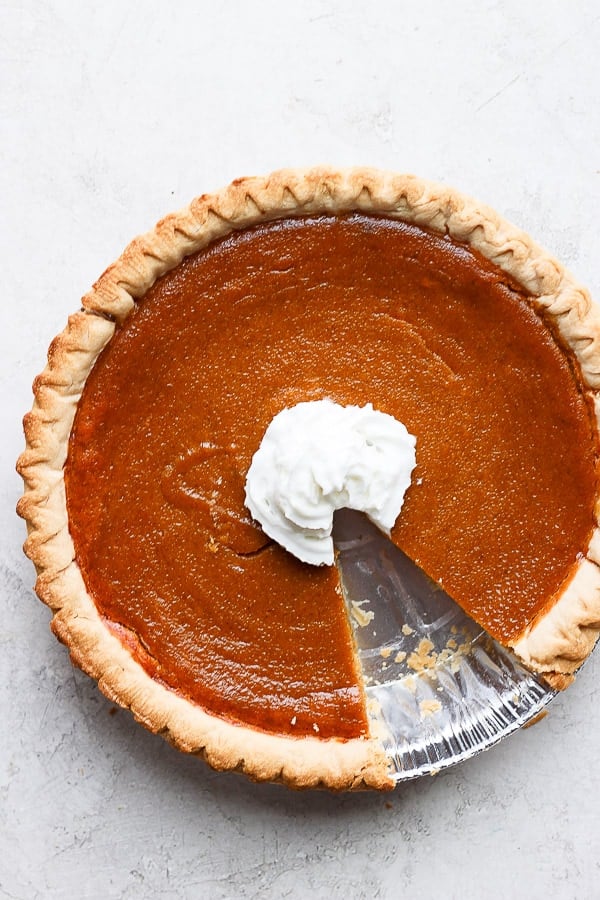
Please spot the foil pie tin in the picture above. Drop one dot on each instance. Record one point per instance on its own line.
(439, 688)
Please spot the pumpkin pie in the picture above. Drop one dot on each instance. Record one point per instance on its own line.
(361, 287)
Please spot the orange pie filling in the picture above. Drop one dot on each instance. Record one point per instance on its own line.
(357, 309)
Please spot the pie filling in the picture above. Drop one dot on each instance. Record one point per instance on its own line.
(358, 309)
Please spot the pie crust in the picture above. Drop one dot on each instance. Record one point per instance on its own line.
(555, 643)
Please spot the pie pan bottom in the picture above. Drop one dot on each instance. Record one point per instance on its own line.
(439, 688)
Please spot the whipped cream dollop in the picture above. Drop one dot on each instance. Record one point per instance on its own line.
(317, 457)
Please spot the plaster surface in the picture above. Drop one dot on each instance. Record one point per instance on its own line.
(113, 114)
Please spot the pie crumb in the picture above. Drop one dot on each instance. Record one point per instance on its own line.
(361, 616)
(406, 629)
(400, 656)
(385, 652)
(373, 706)
(462, 650)
(422, 658)
(429, 707)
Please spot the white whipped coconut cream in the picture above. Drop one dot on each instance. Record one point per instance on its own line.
(317, 457)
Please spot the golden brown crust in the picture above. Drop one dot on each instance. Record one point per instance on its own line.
(555, 644)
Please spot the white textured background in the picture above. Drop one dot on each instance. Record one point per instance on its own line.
(111, 115)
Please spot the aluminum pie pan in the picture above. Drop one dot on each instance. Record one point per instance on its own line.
(439, 689)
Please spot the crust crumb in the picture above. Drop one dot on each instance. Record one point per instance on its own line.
(462, 650)
(373, 706)
(361, 616)
(410, 684)
(422, 658)
(400, 656)
(429, 707)
(407, 630)
(385, 652)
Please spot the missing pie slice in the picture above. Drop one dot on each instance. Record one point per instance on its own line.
(361, 287)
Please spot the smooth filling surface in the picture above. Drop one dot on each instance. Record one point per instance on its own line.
(360, 310)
